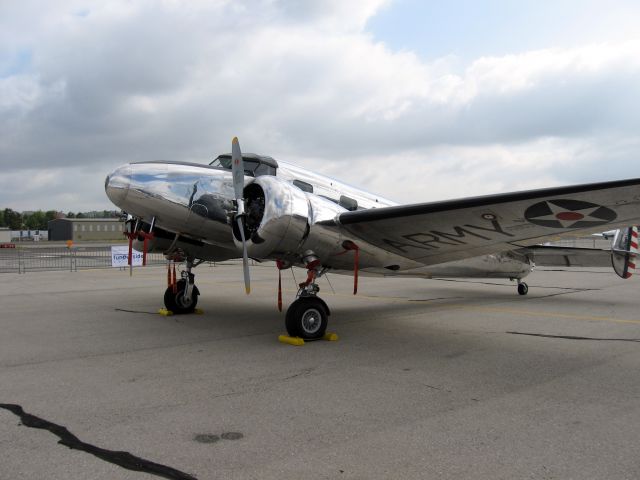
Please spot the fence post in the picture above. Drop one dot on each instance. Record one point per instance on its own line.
(72, 260)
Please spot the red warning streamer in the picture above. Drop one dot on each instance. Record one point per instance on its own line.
(174, 282)
(146, 236)
(311, 273)
(280, 266)
(349, 245)
(130, 236)
(279, 291)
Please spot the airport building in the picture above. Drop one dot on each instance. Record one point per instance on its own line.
(86, 229)
(5, 235)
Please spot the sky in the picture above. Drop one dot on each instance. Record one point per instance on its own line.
(414, 100)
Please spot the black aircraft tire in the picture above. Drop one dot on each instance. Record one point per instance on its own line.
(523, 288)
(175, 302)
(307, 318)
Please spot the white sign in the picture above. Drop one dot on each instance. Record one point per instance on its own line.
(120, 256)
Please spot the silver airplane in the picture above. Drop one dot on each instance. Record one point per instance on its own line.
(252, 206)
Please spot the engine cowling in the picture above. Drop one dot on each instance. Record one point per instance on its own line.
(277, 218)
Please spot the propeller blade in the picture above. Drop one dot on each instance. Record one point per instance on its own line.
(245, 257)
(237, 171)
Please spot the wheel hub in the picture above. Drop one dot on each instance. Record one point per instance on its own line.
(311, 321)
(180, 300)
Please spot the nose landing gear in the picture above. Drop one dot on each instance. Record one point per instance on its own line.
(183, 296)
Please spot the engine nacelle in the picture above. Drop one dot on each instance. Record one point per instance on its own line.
(277, 218)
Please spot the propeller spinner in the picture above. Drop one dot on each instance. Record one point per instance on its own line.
(237, 171)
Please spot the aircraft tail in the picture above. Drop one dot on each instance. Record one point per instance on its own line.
(624, 250)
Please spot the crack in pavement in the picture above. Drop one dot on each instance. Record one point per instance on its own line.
(305, 372)
(266, 384)
(432, 299)
(130, 351)
(572, 337)
(560, 293)
(120, 458)
(455, 280)
(134, 311)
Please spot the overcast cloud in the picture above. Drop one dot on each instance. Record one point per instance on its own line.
(86, 86)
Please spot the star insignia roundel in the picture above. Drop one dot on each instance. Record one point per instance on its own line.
(564, 213)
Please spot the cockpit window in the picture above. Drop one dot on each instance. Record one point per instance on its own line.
(222, 162)
(252, 167)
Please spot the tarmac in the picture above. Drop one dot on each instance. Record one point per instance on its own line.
(429, 379)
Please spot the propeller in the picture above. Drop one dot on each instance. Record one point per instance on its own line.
(237, 171)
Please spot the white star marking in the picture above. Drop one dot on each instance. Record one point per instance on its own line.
(586, 212)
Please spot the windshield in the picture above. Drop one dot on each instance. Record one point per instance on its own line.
(252, 167)
(222, 162)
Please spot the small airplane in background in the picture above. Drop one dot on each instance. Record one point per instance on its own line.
(252, 206)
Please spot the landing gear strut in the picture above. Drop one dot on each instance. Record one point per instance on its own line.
(308, 315)
(183, 298)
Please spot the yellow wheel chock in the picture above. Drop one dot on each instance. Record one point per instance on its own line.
(298, 342)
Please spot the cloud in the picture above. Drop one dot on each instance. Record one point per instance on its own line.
(301, 81)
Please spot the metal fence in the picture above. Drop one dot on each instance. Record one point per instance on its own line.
(23, 260)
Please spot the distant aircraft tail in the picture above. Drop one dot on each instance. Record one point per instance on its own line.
(624, 250)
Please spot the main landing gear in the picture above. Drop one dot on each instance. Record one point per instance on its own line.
(308, 315)
(523, 288)
(182, 296)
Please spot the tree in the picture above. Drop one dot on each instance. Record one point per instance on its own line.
(2, 224)
(35, 221)
(50, 215)
(12, 219)
(71, 215)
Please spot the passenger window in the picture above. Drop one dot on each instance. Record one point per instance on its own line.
(348, 203)
(304, 186)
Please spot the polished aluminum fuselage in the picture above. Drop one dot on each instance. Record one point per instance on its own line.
(197, 202)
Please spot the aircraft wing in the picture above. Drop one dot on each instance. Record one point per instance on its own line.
(432, 233)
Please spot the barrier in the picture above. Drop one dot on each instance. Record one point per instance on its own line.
(23, 260)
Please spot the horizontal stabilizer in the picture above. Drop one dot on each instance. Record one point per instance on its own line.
(550, 256)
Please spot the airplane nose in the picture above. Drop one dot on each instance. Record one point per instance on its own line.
(117, 183)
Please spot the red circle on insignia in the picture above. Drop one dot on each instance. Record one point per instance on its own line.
(569, 216)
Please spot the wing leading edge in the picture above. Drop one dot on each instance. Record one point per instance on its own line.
(438, 232)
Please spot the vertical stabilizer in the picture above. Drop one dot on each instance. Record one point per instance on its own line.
(624, 250)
